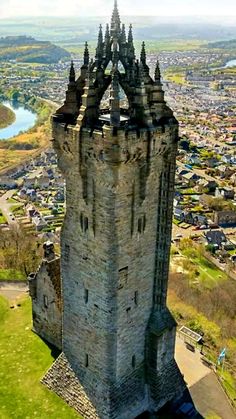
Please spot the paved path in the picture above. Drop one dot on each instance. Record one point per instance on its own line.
(203, 384)
(5, 206)
(12, 291)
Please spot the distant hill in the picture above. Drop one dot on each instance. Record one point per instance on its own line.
(29, 50)
(231, 44)
(61, 30)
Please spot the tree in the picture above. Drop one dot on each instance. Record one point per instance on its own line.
(19, 251)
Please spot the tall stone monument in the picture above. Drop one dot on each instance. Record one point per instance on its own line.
(118, 336)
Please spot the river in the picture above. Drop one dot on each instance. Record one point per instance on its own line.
(25, 119)
(231, 63)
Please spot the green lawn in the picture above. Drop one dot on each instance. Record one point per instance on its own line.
(18, 209)
(210, 275)
(12, 201)
(205, 272)
(11, 274)
(2, 219)
(25, 359)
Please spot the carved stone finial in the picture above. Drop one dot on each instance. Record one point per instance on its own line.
(86, 54)
(131, 50)
(130, 35)
(143, 54)
(107, 33)
(157, 73)
(99, 49)
(123, 34)
(72, 73)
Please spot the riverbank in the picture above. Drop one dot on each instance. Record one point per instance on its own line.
(7, 116)
(22, 147)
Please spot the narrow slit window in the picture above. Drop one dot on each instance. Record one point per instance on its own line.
(144, 222)
(140, 225)
(86, 360)
(67, 253)
(136, 298)
(81, 221)
(133, 361)
(45, 301)
(85, 223)
(86, 295)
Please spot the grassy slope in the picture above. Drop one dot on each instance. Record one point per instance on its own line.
(25, 359)
(7, 116)
(26, 49)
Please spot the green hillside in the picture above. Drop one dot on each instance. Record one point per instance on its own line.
(29, 50)
(231, 44)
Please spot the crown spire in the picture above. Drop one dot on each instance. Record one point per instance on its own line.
(115, 20)
(86, 54)
(72, 73)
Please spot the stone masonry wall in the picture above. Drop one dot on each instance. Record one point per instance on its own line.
(109, 264)
(45, 291)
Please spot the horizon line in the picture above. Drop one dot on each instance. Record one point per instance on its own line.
(107, 16)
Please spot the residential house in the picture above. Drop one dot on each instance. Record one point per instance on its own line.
(209, 185)
(226, 193)
(43, 182)
(7, 183)
(39, 222)
(191, 178)
(225, 218)
(216, 238)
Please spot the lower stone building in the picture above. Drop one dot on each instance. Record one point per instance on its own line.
(45, 291)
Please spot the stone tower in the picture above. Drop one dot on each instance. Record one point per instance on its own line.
(118, 336)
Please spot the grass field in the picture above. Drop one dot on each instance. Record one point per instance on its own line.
(25, 359)
(9, 158)
(203, 271)
(152, 46)
(210, 275)
(178, 78)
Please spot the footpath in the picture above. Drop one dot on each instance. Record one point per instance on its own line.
(204, 387)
